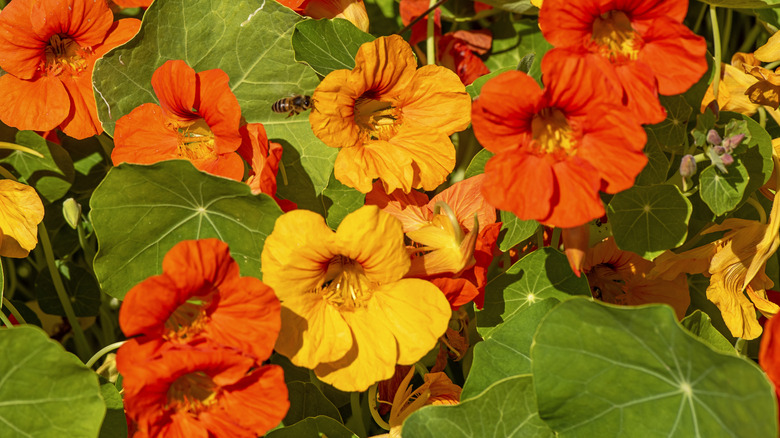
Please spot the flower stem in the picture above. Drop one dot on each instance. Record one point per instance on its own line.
(14, 310)
(759, 208)
(699, 18)
(762, 116)
(717, 56)
(5, 320)
(372, 397)
(430, 42)
(16, 147)
(555, 241)
(102, 352)
(82, 347)
(357, 413)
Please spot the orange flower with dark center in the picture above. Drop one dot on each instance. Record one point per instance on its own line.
(555, 148)
(48, 49)
(206, 390)
(197, 120)
(632, 44)
(390, 120)
(201, 297)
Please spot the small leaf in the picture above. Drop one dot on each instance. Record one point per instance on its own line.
(115, 423)
(340, 201)
(649, 220)
(307, 401)
(475, 87)
(601, 370)
(477, 165)
(700, 324)
(140, 212)
(542, 274)
(657, 166)
(328, 45)
(517, 230)
(723, 191)
(506, 409)
(45, 391)
(671, 133)
(316, 427)
(51, 175)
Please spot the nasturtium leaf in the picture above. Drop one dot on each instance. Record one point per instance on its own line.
(603, 370)
(83, 291)
(313, 427)
(505, 409)
(723, 191)
(649, 220)
(544, 273)
(657, 166)
(506, 352)
(700, 324)
(308, 401)
(45, 392)
(513, 40)
(756, 157)
(248, 40)
(115, 422)
(477, 164)
(51, 175)
(140, 212)
(704, 122)
(90, 160)
(517, 230)
(475, 87)
(516, 6)
(340, 200)
(328, 45)
(743, 4)
(671, 133)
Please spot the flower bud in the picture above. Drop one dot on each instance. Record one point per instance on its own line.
(713, 137)
(71, 210)
(732, 142)
(720, 150)
(687, 166)
(727, 159)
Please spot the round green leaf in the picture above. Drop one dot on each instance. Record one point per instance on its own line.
(44, 390)
(506, 409)
(671, 134)
(340, 200)
(723, 191)
(51, 175)
(649, 220)
(80, 285)
(308, 401)
(328, 45)
(517, 230)
(140, 212)
(542, 274)
(606, 371)
(313, 427)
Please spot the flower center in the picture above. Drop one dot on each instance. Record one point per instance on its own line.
(616, 39)
(346, 286)
(192, 392)
(606, 284)
(189, 319)
(65, 55)
(196, 141)
(377, 120)
(552, 132)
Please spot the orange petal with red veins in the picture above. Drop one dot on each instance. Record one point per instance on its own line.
(519, 182)
(409, 208)
(37, 105)
(465, 198)
(86, 22)
(458, 291)
(144, 137)
(21, 51)
(388, 66)
(119, 33)
(668, 40)
(82, 120)
(357, 167)
(175, 85)
(437, 99)
(576, 199)
(219, 107)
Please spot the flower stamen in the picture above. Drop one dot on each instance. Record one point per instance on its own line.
(346, 287)
(615, 38)
(192, 392)
(377, 119)
(552, 132)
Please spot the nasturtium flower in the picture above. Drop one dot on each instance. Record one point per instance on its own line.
(201, 297)
(264, 158)
(736, 264)
(198, 120)
(769, 353)
(352, 10)
(21, 210)
(390, 120)
(347, 312)
(632, 45)
(199, 391)
(446, 233)
(48, 49)
(458, 52)
(621, 277)
(556, 147)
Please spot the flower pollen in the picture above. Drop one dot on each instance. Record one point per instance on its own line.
(196, 141)
(616, 39)
(377, 119)
(192, 392)
(189, 319)
(346, 286)
(64, 55)
(553, 133)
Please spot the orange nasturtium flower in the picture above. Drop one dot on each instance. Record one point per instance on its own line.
(620, 277)
(21, 210)
(557, 147)
(347, 311)
(769, 353)
(352, 10)
(632, 44)
(390, 120)
(736, 263)
(48, 49)
(198, 119)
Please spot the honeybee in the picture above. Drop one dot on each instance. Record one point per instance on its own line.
(294, 104)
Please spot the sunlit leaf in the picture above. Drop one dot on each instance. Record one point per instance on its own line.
(328, 45)
(477, 165)
(517, 230)
(316, 427)
(700, 324)
(340, 201)
(657, 166)
(723, 191)
(671, 133)
(515, 39)
(51, 175)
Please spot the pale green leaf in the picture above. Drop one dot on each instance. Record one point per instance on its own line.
(328, 45)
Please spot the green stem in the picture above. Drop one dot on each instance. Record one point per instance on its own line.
(750, 38)
(741, 346)
(556, 238)
(372, 398)
(16, 147)
(82, 347)
(759, 208)
(699, 18)
(762, 116)
(727, 27)
(716, 44)
(540, 237)
(357, 413)
(430, 42)
(92, 360)
(5, 320)
(14, 310)
(89, 253)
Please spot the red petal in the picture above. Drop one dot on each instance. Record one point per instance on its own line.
(576, 199)
(217, 104)
(82, 120)
(144, 137)
(174, 84)
(37, 105)
(670, 43)
(519, 182)
(21, 50)
(86, 22)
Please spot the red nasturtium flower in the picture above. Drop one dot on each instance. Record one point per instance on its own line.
(198, 119)
(769, 353)
(458, 52)
(557, 147)
(390, 120)
(48, 49)
(352, 10)
(632, 43)
(199, 391)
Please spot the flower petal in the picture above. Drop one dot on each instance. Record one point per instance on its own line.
(35, 105)
(21, 210)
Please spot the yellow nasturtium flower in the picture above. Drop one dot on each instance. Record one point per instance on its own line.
(347, 312)
(21, 210)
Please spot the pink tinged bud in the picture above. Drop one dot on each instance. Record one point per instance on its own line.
(687, 166)
(727, 159)
(720, 150)
(733, 141)
(575, 242)
(713, 137)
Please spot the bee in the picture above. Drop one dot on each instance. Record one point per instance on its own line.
(294, 104)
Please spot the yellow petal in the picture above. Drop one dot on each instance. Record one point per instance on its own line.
(374, 239)
(738, 312)
(437, 99)
(296, 253)
(416, 313)
(21, 210)
(357, 167)
(770, 51)
(312, 331)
